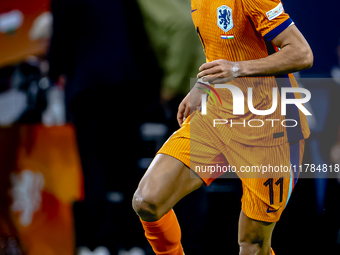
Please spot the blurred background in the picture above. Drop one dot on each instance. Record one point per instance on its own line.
(89, 91)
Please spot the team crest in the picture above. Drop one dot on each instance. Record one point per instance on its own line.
(225, 18)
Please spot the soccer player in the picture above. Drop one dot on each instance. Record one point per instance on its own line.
(248, 43)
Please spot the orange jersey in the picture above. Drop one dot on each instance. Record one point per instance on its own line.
(240, 30)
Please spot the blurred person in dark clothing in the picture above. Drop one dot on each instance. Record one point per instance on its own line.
(112, 83)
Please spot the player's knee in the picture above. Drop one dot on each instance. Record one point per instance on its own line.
(146, 206)
(254, 247)
(247, 248)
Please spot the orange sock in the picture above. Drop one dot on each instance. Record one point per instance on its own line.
(272, 251)
(164, 235)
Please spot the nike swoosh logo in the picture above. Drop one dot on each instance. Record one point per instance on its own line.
(270, 211)
(193, 10)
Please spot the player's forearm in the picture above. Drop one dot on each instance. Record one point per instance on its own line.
(295, 55)
(289, 59)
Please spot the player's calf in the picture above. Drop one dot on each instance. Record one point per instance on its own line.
(254, 236)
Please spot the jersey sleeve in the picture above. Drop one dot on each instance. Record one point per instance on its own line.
(268, 16)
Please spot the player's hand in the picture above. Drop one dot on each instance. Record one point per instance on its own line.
(219, 71)
(189, 104)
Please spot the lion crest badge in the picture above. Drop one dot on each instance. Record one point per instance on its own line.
(225, 18)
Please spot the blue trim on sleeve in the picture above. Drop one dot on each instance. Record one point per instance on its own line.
(278, 30)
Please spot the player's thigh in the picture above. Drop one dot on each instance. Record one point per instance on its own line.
(254, 236)
(166, 181)
(169, 177)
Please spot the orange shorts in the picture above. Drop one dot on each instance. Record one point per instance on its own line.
(268, 174)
